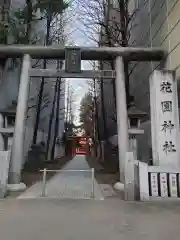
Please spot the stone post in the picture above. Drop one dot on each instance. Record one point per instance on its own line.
(129, 184)
(164, 119)
(19, 131)
(133, 146)
(122, 117)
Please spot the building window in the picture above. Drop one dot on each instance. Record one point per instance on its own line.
(10, 121)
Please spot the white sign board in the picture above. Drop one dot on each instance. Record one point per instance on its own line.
(163, 185)
(173, 185)
(154, 185)
(164, 118)
(4, 170)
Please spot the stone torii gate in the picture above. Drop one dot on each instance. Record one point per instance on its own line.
(73, 70)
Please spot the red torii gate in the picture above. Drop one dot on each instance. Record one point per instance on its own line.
(80, 145)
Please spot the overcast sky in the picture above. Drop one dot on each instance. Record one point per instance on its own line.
(80, 86)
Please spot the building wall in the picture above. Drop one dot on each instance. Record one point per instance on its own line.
(156, 23)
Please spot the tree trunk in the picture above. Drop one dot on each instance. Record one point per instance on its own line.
(113, 85)
(67, 109)
(56, 126)
(97, 137)
(38, 111)
(28, 21)
(51, 120)
(105, 135)
(40, 95)
(96, 112)
(109, 42)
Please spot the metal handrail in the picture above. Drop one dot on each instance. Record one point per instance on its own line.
(45, 171)
(70, 170)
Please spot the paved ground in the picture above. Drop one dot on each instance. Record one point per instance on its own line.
(68, 184)
(111, 219)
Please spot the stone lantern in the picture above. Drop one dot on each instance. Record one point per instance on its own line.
(134, 120)
(7, 123)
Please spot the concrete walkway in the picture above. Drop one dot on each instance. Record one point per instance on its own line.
(68, 184)
(112, 219)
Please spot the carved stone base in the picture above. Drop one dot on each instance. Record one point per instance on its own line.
(16, 187)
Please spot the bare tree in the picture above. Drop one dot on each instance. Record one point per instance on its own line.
(45, 103)
(95, 118)
(86, 114)
(69, 114)
(51, 10)
(69, 106)
(108, 24)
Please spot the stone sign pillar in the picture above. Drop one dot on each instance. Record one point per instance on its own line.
(164, 118)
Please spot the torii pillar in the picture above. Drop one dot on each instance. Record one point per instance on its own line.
(122, 116)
